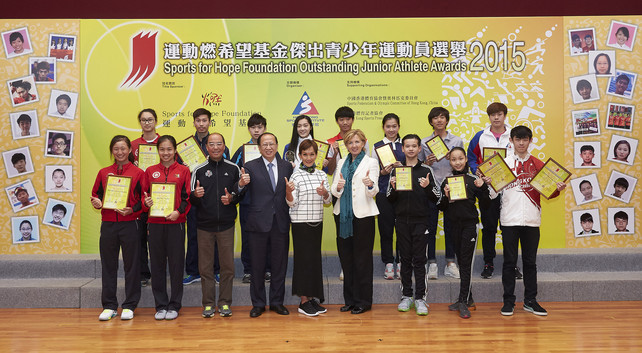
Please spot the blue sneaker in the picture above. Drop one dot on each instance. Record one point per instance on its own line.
(189, 279)
(217, 278)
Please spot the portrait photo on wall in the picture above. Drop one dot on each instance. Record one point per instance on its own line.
(622, 149)
(620, 117)
(62, 47)
(24, 124)
(585, 122)
(62, 104)
(16, 42)
(621, 35)
(58, 178)
(586, 189)
(587, 154)
(584, 89)
(581, 41)
(18, 162)
(58, 213)
(586, 223)
(43, 69)
(621, 220)
(620, 186)
(25, 229)
(21, 195)
(601, 63)
(622, 84)
(22, 91)
(59, 144)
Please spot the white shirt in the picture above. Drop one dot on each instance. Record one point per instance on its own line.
(275, 169)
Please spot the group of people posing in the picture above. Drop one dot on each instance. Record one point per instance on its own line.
(276, 195)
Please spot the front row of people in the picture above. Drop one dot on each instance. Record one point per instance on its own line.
(280, 196)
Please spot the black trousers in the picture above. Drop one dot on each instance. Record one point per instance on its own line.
(465, 237)
(144, 254)
(433, 220)
(489, 210)
(113, 237)
(411, 242)
(355, 255)
(307, 276)
(528, 237)
(167, 247)
(386, 225)
(275, 244)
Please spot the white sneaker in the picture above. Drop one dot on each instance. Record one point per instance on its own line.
(127, 314)
(160, 315)
(405, 304)
(171, 315)
(341, 276)
(106, 315)
(451, 270)
(433, 271)
(421, 308)
(389, 272)
(398, 274)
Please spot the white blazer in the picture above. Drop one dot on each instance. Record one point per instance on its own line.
(363, 202)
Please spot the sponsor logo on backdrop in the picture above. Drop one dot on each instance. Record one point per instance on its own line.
(143, 59)
(305, 106)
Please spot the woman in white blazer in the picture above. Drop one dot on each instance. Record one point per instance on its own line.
(355, 184)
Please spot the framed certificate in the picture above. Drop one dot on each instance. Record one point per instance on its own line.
(343, 150)
(321, 154)
(250, 152)
(404, 178)
(386, 155)
(457, 185)
(116, 192)
(545, 181)
(147, 156)
(163, 195)
(496, 168)
(490, 151)
(438, 147)
(191, 153)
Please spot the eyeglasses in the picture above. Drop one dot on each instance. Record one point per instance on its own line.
(60, 144)
(268, 144)
(215, 144)
(147, 121)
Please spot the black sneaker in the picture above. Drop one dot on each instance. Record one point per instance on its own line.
(488, 271)
(145, 282)
(534, 307)
(470, 304)
(518, 274)
(318, 307)
(464, 313)
(507, 309)
(308, 309)
(454, 306)
(268, 276)
(246, 278)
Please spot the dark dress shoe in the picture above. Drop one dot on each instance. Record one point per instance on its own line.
(279, 309)
(360, 309)
(256, 311)
(346, 307)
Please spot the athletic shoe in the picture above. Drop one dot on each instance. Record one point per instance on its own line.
(433, 271)
(341, 276)
(389, 272)
(107, 315)
(225, 311)
(398, 273)
(507, 309)
(488, 271)
(268, 276)
(518, 274)
(246, 278)
(171, 315)
(208, 312)
(189, 279)
(470, 305)
(406, 304)
(308, 309)
(160, 315)
(451, 270)
(144, 282)
(464, 313)
(320, 309)
(421, 307)
(217, 278)
(534, 307)
(127, 314)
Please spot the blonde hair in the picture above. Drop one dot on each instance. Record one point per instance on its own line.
(355, 132)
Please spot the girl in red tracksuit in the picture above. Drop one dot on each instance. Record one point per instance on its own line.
(167, 234)
(119, 229)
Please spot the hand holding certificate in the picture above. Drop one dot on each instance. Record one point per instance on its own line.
(321, 154)
(545, 181)
(403, 176)
(386, 155)
(147, 156)
(438, 147)
(163, 195)
(498, 171)
(457, 188)
(250, 152)
(116, 192)
(343, 150)
(191, 153)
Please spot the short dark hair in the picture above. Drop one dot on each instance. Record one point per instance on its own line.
(574, 37)
(587, 148)
(22, 84)
(496, 107)
(437, 111)
(202, 111)
(586, 217)
(624, 31)
(583, 84)
(305, 144)
(169, 138)
(15, 35)
(64, 97)
(623, 77)
(23, 117)
(117, 139)
(27, 222)
(520, 132)
(410, 137)
(588, 36)
(621, 182)
(59, 170)
(585, 182)
(59, 207)
(62, 136)
(256, 119)
(344, 112)
(18, 157)
(43, 65)
(148, 110)
(621, 215)
(258, 141)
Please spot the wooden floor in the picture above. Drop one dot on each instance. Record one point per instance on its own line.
(570, 327)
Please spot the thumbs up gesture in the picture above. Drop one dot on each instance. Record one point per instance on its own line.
(289, 185)
(423, 182)
(367, 181)
(321, 191)
(341, 183)
(226, 199)
(148, 200)
(198, 190)
(245, 178)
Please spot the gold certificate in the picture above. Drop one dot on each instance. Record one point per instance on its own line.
(323, 152)
(250, 152)
(116, 192)
(163, 195)
(496, 168)
(343, 150)
(545, 181)
(457, 185)
(386, 155)
(404, 178)
(490, 151)
(147, 156)
(191, 153)
(438, 147)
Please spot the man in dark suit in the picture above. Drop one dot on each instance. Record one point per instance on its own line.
(268, 223)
